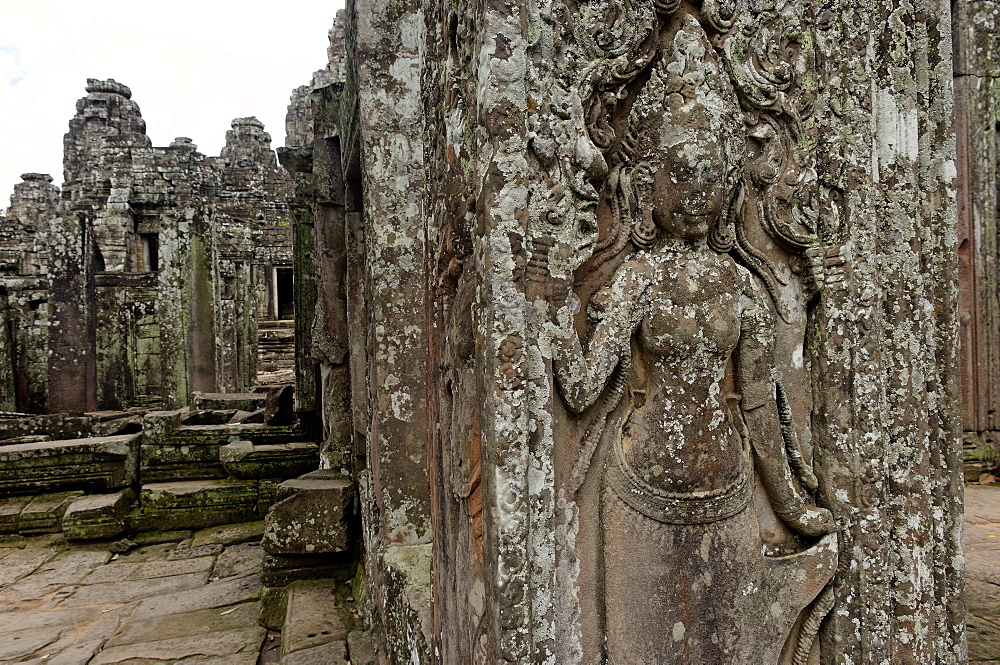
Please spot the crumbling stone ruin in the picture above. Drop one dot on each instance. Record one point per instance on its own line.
(626, 332)
(144, 279)
(135, 302)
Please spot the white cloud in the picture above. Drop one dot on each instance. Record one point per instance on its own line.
(192, 66)
(10, 64)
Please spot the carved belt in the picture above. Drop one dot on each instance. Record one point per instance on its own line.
(680, 507)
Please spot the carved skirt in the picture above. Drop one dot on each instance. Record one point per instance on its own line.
(681, 594)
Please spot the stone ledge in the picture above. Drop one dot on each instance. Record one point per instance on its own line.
(103, 462)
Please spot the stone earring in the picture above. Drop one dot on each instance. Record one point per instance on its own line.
(644, 230)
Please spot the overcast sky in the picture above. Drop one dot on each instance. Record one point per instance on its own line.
(192, 65)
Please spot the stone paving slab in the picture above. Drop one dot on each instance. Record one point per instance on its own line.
(982, 572)
(65, 603)
(219, 644)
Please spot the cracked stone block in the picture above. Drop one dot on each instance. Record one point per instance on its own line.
(244, 459)
(97, 516)
(194, 504)
(103, 462)
(44, 513)
(10, 511)
(311, 617)
(311, 515)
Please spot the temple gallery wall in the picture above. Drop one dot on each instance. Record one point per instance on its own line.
(572, 332)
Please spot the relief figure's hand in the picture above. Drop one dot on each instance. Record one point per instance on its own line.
(811, 521)
(542, 285)
(823, 268)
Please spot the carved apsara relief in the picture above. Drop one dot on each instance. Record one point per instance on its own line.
(676, 244)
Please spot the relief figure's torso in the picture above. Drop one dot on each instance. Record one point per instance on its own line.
(680, 438)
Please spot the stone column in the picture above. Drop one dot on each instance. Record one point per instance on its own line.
(388, 54)
(884, 351)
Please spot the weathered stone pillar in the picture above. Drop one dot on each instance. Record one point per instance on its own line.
(388, 51)
(8, 394)
(884, 350)
(72, 341)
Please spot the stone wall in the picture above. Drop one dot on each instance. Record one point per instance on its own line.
(487, 206)
(977, 117)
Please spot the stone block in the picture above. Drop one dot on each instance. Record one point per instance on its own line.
(188, 452)
(30, 438)
(361, 645)
(273, 603)
(44, 513)
(283, 569)
(194, 504)
(311, 617)
(208, 417)
(244, 459)
(97, 516)
(55, 426)
(157, 425)
(240, 401)
(10, 512)
(311, 515)
(103, 462)
(191, 452)
(248, 417)
(267, 489)
(407, 588)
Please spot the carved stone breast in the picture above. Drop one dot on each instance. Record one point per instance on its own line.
(680, 442)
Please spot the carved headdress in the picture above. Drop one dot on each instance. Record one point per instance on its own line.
(685, 119)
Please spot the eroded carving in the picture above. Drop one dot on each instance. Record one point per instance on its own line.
(677, 363)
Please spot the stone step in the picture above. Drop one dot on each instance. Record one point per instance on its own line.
(194, 504)
(276, 324)
(171, 451)
(218, 401)
(245, 459)
(97, 516)
(313, 631)
(79, 516)
(104, 463)
(44, 513)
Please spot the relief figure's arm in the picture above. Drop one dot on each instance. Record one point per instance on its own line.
(754, 366)
(582, 370)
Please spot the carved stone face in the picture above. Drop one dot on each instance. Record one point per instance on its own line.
(689, 189)
(686, 125)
